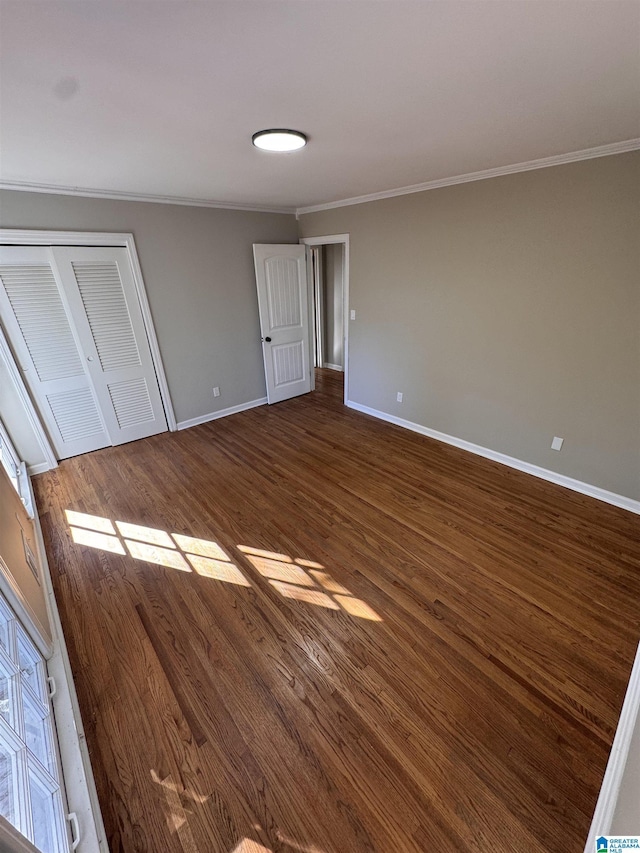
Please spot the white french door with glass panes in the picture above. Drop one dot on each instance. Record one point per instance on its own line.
(74, 321)
(30, 790)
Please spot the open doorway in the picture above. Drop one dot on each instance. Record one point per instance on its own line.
(329, 304)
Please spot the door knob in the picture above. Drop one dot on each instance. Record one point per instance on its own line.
(89, 358)
(268, 340)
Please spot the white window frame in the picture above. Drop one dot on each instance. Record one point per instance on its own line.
(30, 770)
(17, 470)
(77, 780)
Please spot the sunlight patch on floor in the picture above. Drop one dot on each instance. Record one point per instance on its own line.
(202, 547)
(309, 596)
(150, 535)
(309, 564)
(306, 581)
(357, 607)
(325, 580)
(248, 846)
(269, 555)
(173, 786)
(177, 818)
(92, 522)
(217, 569)
(153, 545)
(296, 578)
(280, 571)
(97, 540)
(294, 845)
(159, 556)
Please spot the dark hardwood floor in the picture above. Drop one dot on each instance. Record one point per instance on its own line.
(379, 642)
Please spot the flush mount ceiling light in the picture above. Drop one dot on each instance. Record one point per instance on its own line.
(279, 139)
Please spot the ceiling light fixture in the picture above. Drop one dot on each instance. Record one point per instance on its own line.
(279, 139)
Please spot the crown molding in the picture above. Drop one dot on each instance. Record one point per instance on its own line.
(114, 195)
(528, 166)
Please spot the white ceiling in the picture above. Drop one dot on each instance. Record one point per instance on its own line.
(162, 96)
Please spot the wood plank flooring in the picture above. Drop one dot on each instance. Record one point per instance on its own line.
(379, 643)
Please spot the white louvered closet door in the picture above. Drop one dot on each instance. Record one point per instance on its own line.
(74, 322)
(36, 320)
(99, 286)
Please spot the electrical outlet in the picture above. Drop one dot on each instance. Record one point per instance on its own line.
(399, 396)
(557, 443)
(216, 391)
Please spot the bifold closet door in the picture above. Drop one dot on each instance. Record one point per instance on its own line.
(73, 319)
(36, 322)
(103, 301)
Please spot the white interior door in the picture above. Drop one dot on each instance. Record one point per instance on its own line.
(36, 321)
(74, 321)
(281, 279)
(102, 297)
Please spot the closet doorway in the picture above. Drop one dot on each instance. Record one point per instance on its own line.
(329, 275)
(80, 333)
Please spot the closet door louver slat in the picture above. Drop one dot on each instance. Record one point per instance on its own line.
(104, 303)
(38, 309)
(75, 414)
(131, 402)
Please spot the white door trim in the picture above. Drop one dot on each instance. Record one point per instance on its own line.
(33, 417)
(21, 237)
(323, 241)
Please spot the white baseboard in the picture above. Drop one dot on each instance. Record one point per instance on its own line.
(40, 468)
(333, 366)
(222, 413)
(512, 462)
(614, 774)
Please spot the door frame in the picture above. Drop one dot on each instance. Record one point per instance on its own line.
(33, 416)
(317, 271)
(324, 241)
(23, 237)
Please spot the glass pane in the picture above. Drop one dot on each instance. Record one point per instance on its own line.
(37, 733)
(46, 809)
(6, 706)
(31, 664)
(5, 618)
(7, 776)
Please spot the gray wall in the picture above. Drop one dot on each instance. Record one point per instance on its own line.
(507, 311)
(333, 304)
(198, 270)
